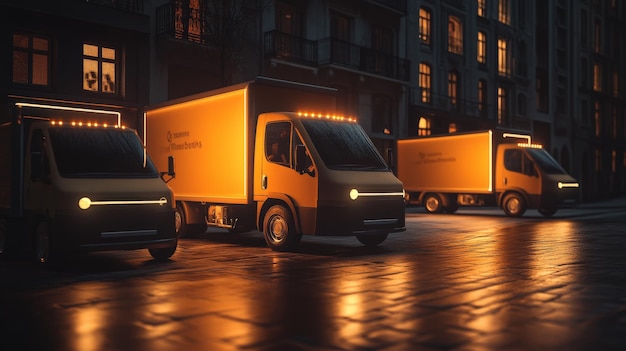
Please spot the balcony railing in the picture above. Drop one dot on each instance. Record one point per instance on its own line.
(135, 6)
(289, 47)
(398, 5)
(333, 51)
(424, 97)
(339, 52)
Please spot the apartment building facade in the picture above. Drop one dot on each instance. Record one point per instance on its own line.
(404, 68)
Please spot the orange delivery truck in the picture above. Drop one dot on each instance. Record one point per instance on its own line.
(493, 167)
(246, 159)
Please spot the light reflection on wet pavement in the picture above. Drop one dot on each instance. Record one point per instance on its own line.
(451, 282)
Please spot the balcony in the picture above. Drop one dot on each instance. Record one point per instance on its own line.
(331, 51)
(444, 103)
(342, 53)
(291, 48)
(184, 23)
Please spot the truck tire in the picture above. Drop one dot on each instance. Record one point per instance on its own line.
(514, 205)
(162, 254)
(44, 249)
(279, 229)
(372, 240)
(547, 212)
(432, 203)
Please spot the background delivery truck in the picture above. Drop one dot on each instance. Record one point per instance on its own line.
(491, 167)
(242, 163)
(79, 183)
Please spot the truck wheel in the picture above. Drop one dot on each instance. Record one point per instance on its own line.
(514, 205)
(279, 229)
(432, 203)
(44, 252)
(372, 240)
(547, 212)
(180, 222)
(162, 254)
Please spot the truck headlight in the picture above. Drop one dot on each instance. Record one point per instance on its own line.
(84, 203)
(354, 194)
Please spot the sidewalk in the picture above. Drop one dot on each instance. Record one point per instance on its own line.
(618, 202)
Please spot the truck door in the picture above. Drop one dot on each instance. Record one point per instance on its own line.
(280, 178)
(38, 174)
(515, 170)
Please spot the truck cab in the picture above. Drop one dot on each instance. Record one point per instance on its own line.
(528, 177)
(329, 176)
(79, 187)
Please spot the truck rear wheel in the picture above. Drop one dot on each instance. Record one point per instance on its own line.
(372, 240)
(514, 205)
(432, 203)
(279, 229)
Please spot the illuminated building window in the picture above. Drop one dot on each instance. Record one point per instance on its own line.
(596, 118)
(289, 20)
(99, 68)
(455, 35)
(504, 67)
(425, 82)
(502, 106)
(597, 78)
(482, 8)
(504, 11)
(30, 59)
(482, 96)
(452, 128)
(423, 126)
(481, 48)
(453, 87)
(425, 26)
(189, 20)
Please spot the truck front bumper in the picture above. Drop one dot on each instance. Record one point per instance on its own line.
(361, 217)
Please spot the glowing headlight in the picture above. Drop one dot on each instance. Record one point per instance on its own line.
(354, 194)
(562, 185)
(84, 203)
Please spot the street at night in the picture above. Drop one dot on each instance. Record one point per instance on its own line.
(475, 280)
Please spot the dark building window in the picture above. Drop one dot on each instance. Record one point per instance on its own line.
(31, 59)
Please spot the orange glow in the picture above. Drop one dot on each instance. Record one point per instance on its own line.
(532, 146)
(332, 117)
(85, 124)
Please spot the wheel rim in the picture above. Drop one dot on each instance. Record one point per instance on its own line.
(432, 204)
(513, 205)
(178, 221)
(278, 228)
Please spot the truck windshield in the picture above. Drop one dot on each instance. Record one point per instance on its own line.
(343, 146)
(99, 153)
(546, 162)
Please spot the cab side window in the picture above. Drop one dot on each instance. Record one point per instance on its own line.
(277, 143)
(517, 161)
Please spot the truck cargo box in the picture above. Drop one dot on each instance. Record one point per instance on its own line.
(456, 163)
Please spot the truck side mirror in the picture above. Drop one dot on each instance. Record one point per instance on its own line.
(170, 170)
(303, 161)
